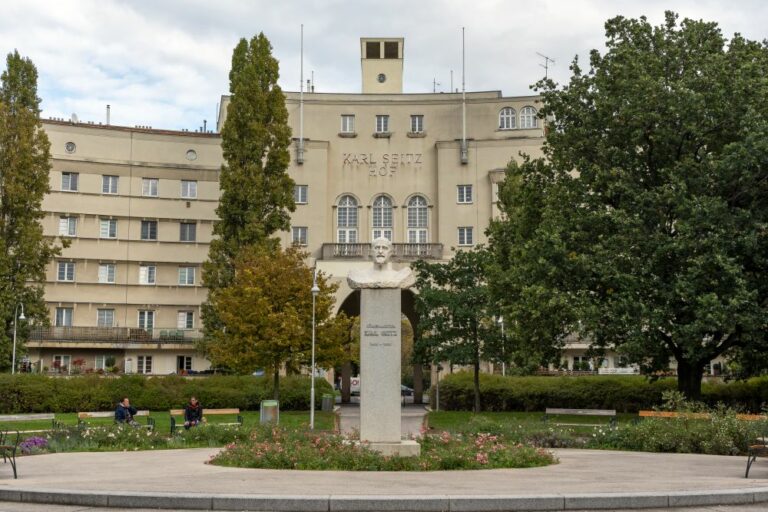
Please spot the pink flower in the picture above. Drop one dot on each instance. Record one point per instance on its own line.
(481, 458)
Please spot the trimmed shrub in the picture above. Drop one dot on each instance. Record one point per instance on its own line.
(24, 393)
(623, 393)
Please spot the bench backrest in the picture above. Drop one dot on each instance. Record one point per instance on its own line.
(581, 412)
(26, 417)
(206, 412)
(105, 414)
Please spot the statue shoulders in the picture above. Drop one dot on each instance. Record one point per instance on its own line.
(372, 278)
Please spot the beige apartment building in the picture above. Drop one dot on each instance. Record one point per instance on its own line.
(138, 206)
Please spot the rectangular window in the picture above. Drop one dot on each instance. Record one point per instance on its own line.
(465, 236)
(382, 124)
(66, 271)
(185, 320)
(147, 274)
(105, 318)
(64, 317)
(417, 236)
(69, 181)
(183, 363)
(146, 319)
(464, 193)
(107, 273)
(107, 228)
(372, 50)
(149, 230)
(144, 364)
(61, 363)
(347, 123)
(390, 50)
(149, 187)
(299, 235)
(417, 123)
(186, 276)
(188, 189)
(301, 194)
(67, 226)
(188, 231)
(100, 363)
(109, 184)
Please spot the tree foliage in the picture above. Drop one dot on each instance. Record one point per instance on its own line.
(266, 314)
(256, 191)
(455, 311)
(652, 235)
(24, 167)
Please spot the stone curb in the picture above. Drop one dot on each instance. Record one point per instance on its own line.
(386, 503)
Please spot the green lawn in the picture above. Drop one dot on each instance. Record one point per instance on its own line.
(323, 420)
(456, 421)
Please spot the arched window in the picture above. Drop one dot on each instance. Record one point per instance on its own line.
(382, 218)
(417, 221)
(507, 118)
(346, 220)
(528, 117)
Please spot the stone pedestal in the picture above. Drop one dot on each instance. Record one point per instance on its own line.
(380, 339)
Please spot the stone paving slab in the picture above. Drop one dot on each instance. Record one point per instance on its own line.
(583, 480)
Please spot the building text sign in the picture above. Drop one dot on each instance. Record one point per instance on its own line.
(382, 164)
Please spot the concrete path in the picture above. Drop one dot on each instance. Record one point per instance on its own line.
(584, 480)
(412, 417)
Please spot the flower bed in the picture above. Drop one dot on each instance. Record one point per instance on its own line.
(282, 448)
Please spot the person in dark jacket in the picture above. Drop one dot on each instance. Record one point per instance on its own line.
(125, 412)
(193, 413)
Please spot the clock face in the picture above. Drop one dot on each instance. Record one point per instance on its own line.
(382, 78)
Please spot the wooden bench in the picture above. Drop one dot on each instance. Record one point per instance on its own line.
(83, 416)
(9, 444)
(207, 412)
(9, 418)
(605, 413)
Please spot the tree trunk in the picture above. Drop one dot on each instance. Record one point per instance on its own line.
(689, 378)
(418, 384)
(477, 385)
(346, 388)
(276, 383)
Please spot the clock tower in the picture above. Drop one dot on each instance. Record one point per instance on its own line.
(382, 64)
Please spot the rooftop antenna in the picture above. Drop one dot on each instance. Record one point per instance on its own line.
(451, 90)
(463, 151)
(300, 147)
(312, 74)
(109, 111)
(435, 83)
(547, 60)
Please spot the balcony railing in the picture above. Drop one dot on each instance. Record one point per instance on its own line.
(399, 251)
(115, 334)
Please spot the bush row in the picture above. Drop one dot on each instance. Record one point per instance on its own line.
(36, 393)
(623, 393)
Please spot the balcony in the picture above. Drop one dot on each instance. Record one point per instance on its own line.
(115, 335)
(400, 252)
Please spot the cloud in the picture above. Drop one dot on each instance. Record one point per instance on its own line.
(166, 64)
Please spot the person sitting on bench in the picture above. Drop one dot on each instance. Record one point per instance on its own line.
(193, 413)
(125, 412)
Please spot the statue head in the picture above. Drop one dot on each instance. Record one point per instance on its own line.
(382, 250)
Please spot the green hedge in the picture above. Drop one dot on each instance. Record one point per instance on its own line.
(23, 393)
(623, 393)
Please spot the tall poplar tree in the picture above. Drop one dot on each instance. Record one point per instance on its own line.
(256, 191)
(24, 166)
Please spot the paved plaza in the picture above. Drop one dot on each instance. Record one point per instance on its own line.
(583, 479)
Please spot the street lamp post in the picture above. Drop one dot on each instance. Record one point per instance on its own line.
(315, 291)
(503, 349)
(16, 318)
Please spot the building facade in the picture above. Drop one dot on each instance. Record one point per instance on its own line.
(138, 207)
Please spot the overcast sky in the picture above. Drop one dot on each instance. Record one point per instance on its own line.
(164, 63)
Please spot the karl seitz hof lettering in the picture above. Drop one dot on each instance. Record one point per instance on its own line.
(380, 342)
(384, 164)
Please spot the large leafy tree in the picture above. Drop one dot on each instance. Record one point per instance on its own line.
(656, 225)
(256, 191)
(24, 166)
(266, 314)
(455, 311)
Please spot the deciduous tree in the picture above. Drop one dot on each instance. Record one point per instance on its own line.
(24, 166)
(655, 231)
(266, 314)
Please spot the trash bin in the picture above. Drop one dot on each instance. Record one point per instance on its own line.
(328, 401)
(269, 411)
